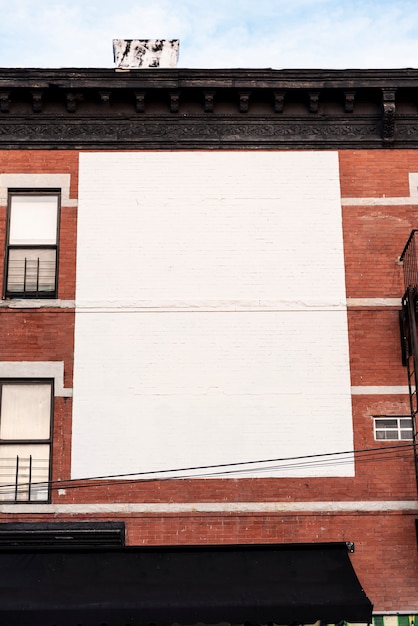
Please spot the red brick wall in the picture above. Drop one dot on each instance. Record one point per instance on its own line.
(386, 557)
(376, 173)
(385, 474)
(67, 254)
(375, 346)
(42, 162)
(61, 441)
(374, 238)
(38, 335)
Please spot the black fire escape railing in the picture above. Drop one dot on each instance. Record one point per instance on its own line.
(408, 326)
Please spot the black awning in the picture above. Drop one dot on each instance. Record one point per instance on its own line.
(284, 584)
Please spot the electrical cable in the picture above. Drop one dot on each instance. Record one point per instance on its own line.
(221, 469)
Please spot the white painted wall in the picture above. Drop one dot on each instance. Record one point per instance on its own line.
(211, 322)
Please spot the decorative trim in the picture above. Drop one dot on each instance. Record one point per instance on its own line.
(4, 101)
(244, 101)
(374, 302)
(313, 101)
(37, 181)
(179, 305)
(37, 369)
(132, 306)
(384, 390)
(139, 101)
(407, 132)
(189, 132)
(174, 101)
(408, 201)
(389, 110)
(105, 96)
(320, 111)
(37, 101)
(349, 101)
(71, 102)
(37, 304)
(198, 508)
(413, 185)
(209, 100)
(279, 101)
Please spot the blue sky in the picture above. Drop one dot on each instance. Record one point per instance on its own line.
(213, 34)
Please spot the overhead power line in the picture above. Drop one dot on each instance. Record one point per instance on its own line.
(238, 467)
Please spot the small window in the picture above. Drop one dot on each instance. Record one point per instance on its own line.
(393, 428)
(32, 247)
(25, 440)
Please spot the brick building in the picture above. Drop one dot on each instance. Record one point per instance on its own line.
(200, 341)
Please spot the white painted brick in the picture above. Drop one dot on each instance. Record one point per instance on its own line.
(210, 226)
(159, 389)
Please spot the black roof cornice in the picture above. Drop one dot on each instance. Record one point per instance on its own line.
(198, 109)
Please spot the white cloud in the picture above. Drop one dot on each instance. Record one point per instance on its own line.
(222, 33)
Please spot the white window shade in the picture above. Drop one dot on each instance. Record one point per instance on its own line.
(25, 412)
(33, 220)
(24, 472)
(31, 270)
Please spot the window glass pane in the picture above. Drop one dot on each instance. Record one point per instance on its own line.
(31, 271)
(24, 472)
(406, 423)
(25, 411)
(406, 434)
(391, 434)
(33, 220)
(386, 423)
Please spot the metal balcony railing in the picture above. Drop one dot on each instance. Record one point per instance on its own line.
(409, 334)
(24, 479)
(410, 261)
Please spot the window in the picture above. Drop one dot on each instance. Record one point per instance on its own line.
(32, 251)
(25, 440)
(393, 428)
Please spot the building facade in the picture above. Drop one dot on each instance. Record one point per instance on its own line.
(202, 285)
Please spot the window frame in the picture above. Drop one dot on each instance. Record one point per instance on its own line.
(41, 442)
(395, 430)
(8, 247)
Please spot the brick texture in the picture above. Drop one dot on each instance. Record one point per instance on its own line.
(385, 557)
(386, 545)
(376, 173)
